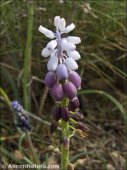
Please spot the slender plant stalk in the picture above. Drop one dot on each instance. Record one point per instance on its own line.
(65, 135)
(26, 76)
(34, 154)
(65, 151)
(27, 60)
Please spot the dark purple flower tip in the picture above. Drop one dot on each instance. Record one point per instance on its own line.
(69, 90)
(53, 127)
(57, 113)
(57, 92)
(75, 79)
(77, 116)
(82, 126)
(74, 104)
(50, 79)
(62, 72)
(65, 113)
(66, 142)
(23, 121)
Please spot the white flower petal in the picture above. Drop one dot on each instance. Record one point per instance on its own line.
(74, 54)
(46, 32)
(69, 28)
(52, 45)
(52, 64)
(45, 52)
(62, 24)
(53, 54)
(73, 39)
(67, 46)
(71, 64)
(57, 21)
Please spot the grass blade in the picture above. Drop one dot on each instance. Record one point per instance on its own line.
(111, 98)
(27, 59)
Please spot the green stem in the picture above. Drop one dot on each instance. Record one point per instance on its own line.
(65, 135)
(27, 59)
(34, 154)
(65, 151)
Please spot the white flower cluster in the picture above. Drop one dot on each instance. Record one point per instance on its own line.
(61, 50)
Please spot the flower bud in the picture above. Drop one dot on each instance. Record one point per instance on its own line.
(69, 90)
(82, 126)
(77, 116)
(75, 79)
(50, 79)
(16, 106)
(65, 114)
(71, 64)
(61, 72)
(62, 24)
(57, 92)
(57, 21)
(46, 32)
(46, 52)
(69, 28)
(52, 45)
(80, 133)
(74, 104)
(73, 39)
(53, 127)
(74, 54)
(52, 63)
(67, 46)
(57, 113)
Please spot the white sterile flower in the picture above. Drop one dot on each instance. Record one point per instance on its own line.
(73, 39)
(67, 46)
(45, 52)
(52, 45)
(74, 54)
(53, 54)
(57, 21)
(71, 64)
(46, 32)
(62, 24)
(52, 63)
(69, 28)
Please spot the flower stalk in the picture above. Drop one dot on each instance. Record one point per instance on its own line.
(65, 147)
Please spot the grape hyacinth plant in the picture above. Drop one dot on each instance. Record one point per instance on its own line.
(22, 119)
(63, 82)
(22, 122)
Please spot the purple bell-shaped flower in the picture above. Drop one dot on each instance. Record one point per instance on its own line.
(74, 104)
(50, 79)
(65, 114)
(57, 92)
(75, 79)
(69, 90)
(62, 72)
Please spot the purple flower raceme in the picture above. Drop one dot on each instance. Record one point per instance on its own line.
(22, 119)
(62, 79)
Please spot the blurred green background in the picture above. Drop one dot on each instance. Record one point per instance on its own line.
(101, 26)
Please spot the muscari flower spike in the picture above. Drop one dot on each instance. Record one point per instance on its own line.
(22, 119)
(62, 79)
